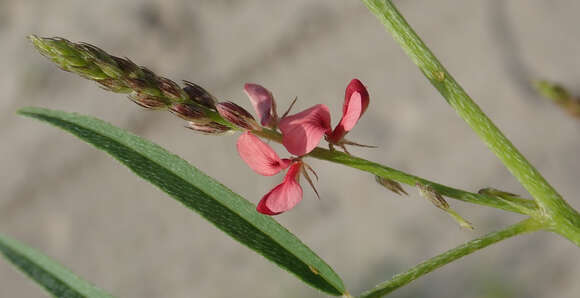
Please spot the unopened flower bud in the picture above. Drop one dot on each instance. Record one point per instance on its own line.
(391, 185)
(187, 111)
(143, 86)
(147, 101)
(113, 85)
(199, 95)
(211, 128)
(237, 115)
(170, 89)
(100, 58)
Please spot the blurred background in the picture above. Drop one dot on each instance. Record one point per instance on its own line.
(93, 215)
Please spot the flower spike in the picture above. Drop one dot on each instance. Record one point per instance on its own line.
(285, 195)
(259, 156)
(302, 132)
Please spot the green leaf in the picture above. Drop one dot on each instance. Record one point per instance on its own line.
(56, 279)
(225, 209)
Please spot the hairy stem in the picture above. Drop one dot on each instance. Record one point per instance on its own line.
(554, 210)
(402, 177)
(399, 280)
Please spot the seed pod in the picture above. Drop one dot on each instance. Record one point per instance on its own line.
(237, 115)
(391, 185)
(490, 191)
(434, 197)
(429, 193)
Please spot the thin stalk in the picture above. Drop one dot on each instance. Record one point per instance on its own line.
(399, 280)
(515, 205)
(563, 219)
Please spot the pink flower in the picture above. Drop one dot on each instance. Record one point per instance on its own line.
(356, 101)
(263, 160)
(285, 195)
(263, 103)
(302, 132)
(259, 156)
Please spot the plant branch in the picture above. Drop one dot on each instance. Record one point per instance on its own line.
(198, 107)
(563, 219)
(515, 204)
(399, 280)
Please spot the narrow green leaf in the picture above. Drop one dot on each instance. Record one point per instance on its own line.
(56, 279)
(228, 211)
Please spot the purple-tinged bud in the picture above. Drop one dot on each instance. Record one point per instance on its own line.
(114, 86)
(148, 102)
(237, 115)
(198, 94)
(189, 112)
(211, 128)
(143, 87)
(170, 89)
(127, 66)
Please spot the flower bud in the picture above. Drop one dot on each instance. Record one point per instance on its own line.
(170, 89)
(113, 85)
(211, 128)
(198, 94)
(187, 111)
(148, 101)
(237, 115)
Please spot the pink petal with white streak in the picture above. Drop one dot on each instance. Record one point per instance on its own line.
(285, 195)
(302, 132)
(259, 156)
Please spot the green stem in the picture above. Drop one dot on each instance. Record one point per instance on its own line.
(554, 210)
(515, 205)
(399, 280)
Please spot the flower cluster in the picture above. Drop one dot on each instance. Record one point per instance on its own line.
(301, 133)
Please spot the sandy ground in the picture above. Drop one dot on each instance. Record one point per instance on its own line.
(84, 209)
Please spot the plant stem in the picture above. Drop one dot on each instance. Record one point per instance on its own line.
(402, 177)
(554, 210)
(399, 280)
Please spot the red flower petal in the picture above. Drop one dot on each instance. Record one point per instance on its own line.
(302, 132)
(259, 156)
(356, 101)
(285, 195)
(262, 101)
